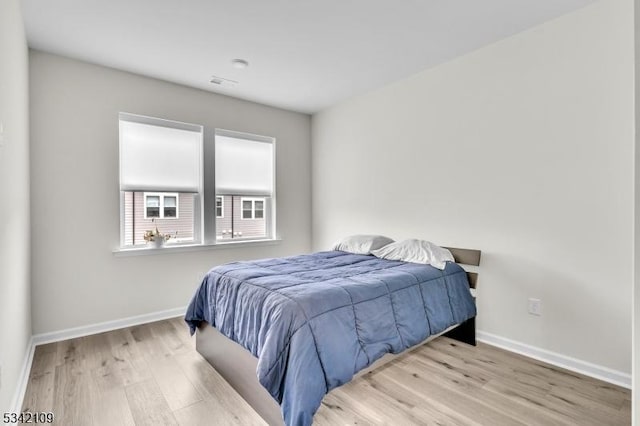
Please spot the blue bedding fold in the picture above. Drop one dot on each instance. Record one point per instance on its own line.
(315, 320)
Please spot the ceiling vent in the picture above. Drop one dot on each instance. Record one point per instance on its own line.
(224, 82)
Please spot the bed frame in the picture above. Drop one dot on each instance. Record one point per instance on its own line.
(238, 366)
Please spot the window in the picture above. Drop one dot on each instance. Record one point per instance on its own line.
(170, 180)
(247, 209)
(253, 208)
(160, 179)
(244, 171)
(258, 209)
(151, 206)
(160, 205)
(219, 207)
(170, 205)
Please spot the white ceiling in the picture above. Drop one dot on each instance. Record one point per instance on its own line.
(304, 55)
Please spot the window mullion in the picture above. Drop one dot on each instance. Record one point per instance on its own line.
(208, 200)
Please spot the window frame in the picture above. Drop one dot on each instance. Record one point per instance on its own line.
(205, 200)
(270, 202)
(162, 195)
(198, 197)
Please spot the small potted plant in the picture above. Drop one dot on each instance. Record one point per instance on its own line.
(154, 236)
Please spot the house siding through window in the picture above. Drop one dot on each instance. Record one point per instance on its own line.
(136, 224)
(248, 227)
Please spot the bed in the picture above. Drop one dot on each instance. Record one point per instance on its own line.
(289, 330)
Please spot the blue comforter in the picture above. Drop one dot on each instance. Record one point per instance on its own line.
(315, 320)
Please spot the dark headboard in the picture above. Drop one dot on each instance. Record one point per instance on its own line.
(467, 257)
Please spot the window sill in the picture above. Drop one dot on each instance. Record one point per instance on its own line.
(182, 248)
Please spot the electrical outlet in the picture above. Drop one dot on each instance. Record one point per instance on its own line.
(535, 307)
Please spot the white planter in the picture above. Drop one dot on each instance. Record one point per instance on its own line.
(157, 242)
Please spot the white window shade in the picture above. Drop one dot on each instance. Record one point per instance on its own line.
(243, 166)
(160, 158)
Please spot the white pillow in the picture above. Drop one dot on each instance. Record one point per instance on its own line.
(362, 244)
(416, 251)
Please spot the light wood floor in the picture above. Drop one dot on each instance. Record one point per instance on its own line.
(152, 375)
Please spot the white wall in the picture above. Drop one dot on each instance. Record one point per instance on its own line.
(15, 291)
(74, 128)
(523, 149)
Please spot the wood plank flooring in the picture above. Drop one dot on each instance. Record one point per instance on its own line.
(143, 375)
(152, 375)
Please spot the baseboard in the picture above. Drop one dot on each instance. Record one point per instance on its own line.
(23, 379)
(86, 330)
(583, 367)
